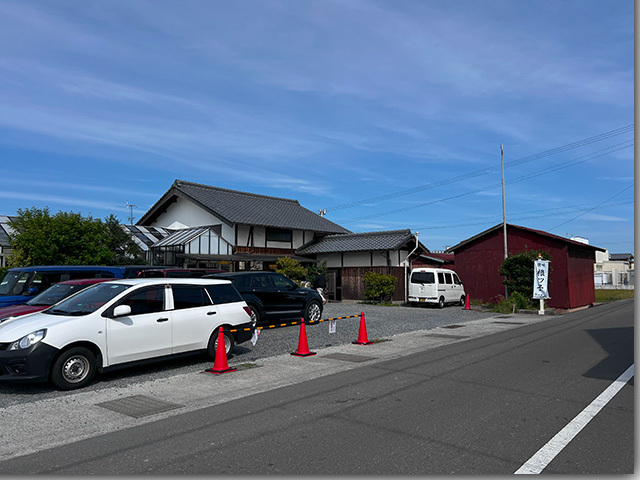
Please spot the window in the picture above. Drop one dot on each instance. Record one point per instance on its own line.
(242, 281)
(440, 277)
(189, 296)
(281, 281)
(42, 281)
(260, 281)
(278, 235)
(423, 277)
(448, 278)
(456, 280)
(223, 294)
(147, 300)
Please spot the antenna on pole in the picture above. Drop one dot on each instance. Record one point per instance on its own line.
(131, 207)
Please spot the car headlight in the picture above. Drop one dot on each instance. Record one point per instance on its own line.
(28, 340)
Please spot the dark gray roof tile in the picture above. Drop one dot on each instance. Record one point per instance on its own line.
(356, 242)
(248, 208)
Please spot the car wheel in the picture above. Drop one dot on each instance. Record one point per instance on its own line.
(75, 368)
(462, 299)
(313, 312)
(229, 343)
(441, 302)
(255, 316)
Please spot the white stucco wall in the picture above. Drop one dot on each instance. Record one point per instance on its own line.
(259, 237)
(243, 236)
(400, 255)
(379, 259)
(356, 259)
(187, 213)
(333, 260)
(298, 238)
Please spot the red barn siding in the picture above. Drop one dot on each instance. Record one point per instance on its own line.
(570, 278)
(582, 291)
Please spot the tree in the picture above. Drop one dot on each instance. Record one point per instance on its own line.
(66, 238)
(313, 269)
(291, 268)
(519, 271)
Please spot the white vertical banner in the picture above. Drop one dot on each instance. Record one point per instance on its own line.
(541, 279)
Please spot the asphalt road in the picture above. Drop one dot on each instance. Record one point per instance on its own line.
(483, 401)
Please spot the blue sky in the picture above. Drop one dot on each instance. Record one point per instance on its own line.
(389, 114)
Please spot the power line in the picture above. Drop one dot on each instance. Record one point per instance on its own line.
(518, 216)
(592, 209)
(483, 171)
(569, 163)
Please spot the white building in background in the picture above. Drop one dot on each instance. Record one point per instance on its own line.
(614, 270)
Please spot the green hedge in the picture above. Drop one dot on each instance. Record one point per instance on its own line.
(378, 287)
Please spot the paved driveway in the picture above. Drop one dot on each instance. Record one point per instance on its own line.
(381, 322)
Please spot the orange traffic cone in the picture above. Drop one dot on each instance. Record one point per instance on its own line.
(303, 348)
(467, 305)
(220, 364)
(362, 335)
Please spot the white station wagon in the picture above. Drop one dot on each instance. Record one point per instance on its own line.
(114, 323)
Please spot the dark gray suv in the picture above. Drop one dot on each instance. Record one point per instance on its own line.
(272, 297)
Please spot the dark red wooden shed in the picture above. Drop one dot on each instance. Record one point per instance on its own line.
(571, 283)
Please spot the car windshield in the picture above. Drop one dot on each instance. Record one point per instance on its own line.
(54, 294)
(88, 300)
(13, 283)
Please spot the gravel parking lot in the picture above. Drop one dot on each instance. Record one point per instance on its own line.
(381, 323)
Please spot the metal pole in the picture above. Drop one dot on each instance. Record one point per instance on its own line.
(504, 215)
(407, 270)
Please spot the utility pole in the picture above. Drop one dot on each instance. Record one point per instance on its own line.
(504, 215)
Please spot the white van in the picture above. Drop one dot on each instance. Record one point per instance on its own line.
(436, 286)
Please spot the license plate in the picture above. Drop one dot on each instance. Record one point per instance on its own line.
(421, 299)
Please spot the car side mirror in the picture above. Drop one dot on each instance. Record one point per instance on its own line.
(122, 311)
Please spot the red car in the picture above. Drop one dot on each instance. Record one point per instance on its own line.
(50, 296)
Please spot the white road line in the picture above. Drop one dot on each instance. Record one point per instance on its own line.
(546, 454)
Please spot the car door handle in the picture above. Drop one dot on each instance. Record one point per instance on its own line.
(211, 313)
(162, 319)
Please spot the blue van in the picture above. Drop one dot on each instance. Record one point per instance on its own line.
(21, 284)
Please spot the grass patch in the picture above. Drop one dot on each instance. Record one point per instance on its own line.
(603, 296)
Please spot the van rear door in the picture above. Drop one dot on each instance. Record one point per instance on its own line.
(423, 285)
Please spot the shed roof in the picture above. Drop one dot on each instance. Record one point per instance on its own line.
(357, 242)
(235, 207)
(145, 237)
(5, 229)
(518, 227)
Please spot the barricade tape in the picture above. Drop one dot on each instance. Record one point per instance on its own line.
(290, 324)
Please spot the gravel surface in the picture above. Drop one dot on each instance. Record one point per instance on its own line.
(381, 323)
